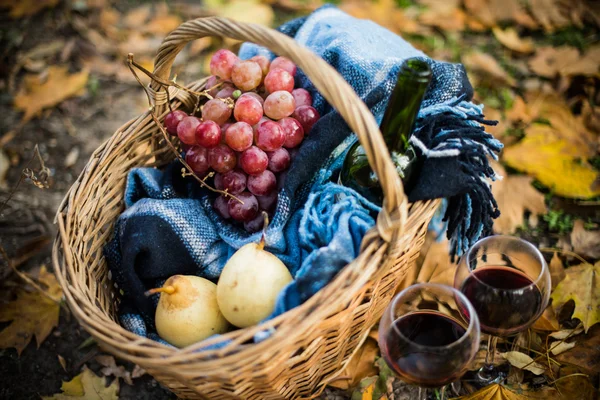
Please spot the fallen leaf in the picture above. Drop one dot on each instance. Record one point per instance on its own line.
(58, 86)
(548, 14)
(523, 361)
(487, 65)
(561, 347)
(138, 372)
(365, 389)
(587, 352)
(138, 16)
(162, 24)
(89, 386)
(62, 362)
(591, 116)
(585, 243)
(511, 40)
(32, 314)
(71, 157)
(437, 267)
(384, 13)
(443, 14)
(557, 270)
(26, 8)
(480, 357)
(111, 368)
(572, 385)
(554, 161)
(490, 12)
(500, 392)
(199, 45)
(513, 207)
(4, 167)
(565, 61)
(581, 284)
(246, 11)
(547, 322)
(566, 333)
(362, 365)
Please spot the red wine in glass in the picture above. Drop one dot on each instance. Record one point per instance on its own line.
(505, 299)
(419, 349)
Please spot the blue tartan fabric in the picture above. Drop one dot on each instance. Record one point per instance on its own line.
(169, 227)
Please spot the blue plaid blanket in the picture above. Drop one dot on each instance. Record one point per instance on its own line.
(169, 226)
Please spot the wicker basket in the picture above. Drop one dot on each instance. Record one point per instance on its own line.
(312, 342)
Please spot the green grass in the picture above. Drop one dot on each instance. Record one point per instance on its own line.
(559, 221)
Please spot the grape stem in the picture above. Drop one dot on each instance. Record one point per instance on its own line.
(202, 181)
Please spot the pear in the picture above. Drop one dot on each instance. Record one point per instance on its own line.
(250, 283)
(187, 311)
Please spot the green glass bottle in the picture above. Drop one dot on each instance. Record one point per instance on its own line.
(396, 126)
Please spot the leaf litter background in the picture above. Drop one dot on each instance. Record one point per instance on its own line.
(64, 89)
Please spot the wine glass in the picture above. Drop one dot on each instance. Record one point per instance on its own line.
(423, 337)
(507, 281)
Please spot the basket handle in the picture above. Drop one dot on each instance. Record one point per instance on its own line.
(327, 81)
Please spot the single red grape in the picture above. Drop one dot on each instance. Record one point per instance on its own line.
(255, 224)
(263, 62)
(186, 130)
(254, 161)
(302, 97)
(246, 75)
(222, 62)
(279, 105)
(197, 158)
(279, 79)
(218, 181)
(216, 110)
(307, 116)
(211, 84)
(279, 160)
(220, 205)
(208, 134)
(269, 136)
(255, 95)
(244, 211)
(262, 184)
(294, 133)
(221, 158)
(239, 136)
(234, 182)
(173, 119)
(225, 92)
(248, 109)
(285, 64)
(224, 129)
(268, 202)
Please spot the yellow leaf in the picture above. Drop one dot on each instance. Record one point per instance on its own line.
(557, 271)
(511, 40)
(499, 392)
(58, 86)
(31, 314)
(585, 243)
(246, 11)
(88, 386)
(512, 208)
(523, 361)
(26, 8)
(368, 392)
(582, 285)
(554, 161)
(487, 65)
(565, 61)
(547, 322)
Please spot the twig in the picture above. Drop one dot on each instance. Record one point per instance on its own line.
(25, 277)
(567, 252)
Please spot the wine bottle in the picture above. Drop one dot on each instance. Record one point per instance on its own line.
(396, 126)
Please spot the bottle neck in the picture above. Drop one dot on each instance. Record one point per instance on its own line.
(403, 107)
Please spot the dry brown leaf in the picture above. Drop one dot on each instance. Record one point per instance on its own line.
(88, 386)
(26, 8)
(479, 360)
(515, 195)
(384, 13)
(487, 65)
(523, 361)
(557, 270)
(565, 61)
(360, 366)
(38, 94)
(556, 162)
(566, 333)
(437, 267)
(443, 14)
(587, 352)
(496, 130)
(585, 243)
(62, 362)
(111, 368)
(246, 11)
(162, 24)
(581, 284)
(511, 40)
(136, 18)
(561, 347)
(490, 12)
(548, 14)
(519, 112)
(500, 392)
(32, 314)
(591, 117)
(108, 20)
(547, 322)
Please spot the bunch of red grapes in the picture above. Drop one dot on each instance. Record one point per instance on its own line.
(247, 134)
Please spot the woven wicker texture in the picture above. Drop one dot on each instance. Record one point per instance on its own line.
(312, 342)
